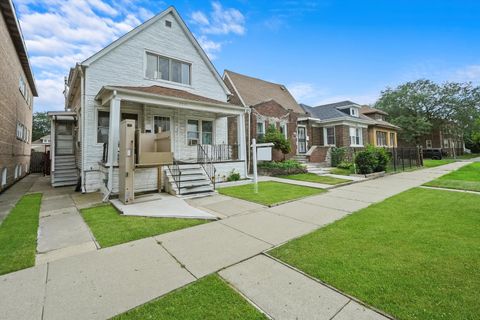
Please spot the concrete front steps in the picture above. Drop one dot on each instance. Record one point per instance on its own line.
(66, 173)
(193, 181)
(317, 168)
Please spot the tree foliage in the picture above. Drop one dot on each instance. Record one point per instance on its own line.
(277, 138)
(418, 106)
(40, 125)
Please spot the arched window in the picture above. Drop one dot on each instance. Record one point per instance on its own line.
(4, 177)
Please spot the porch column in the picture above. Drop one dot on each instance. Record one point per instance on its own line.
(242, 151)
(113, 131)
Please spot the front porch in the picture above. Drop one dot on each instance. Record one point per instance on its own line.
(197, 128)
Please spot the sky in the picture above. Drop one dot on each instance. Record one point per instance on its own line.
(323, 51)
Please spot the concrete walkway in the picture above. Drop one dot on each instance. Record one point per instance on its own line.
(62, 231)
(102, 283)
(10, 197)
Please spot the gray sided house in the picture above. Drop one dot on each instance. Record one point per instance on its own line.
(268, 104)
(338, 124)
(158, 75)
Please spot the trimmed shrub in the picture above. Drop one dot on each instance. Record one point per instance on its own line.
(371, 159)
(345, 165)
(279, 141)
(275, 168)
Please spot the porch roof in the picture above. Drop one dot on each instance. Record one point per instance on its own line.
(159, 94)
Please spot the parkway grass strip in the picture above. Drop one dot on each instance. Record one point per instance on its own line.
(18, 234)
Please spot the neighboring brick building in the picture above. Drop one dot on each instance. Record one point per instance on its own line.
(269, 103)
(381, 133)
(17, 89)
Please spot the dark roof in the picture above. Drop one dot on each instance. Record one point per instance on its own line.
(332, 111)
(254, 91)
(8, 12)
(170, 92)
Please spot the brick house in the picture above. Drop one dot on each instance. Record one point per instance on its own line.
(381, 133)
(338, 124)
(268, 104)
(17, 89)
(440, 137)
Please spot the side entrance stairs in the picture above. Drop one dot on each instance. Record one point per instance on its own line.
(192, 179)
(66, 173)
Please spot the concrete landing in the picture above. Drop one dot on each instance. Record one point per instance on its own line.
(161, 206)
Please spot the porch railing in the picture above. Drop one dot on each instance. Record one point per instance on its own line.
(207, 164)
(105, 153)
(176, 174)
(218, 152)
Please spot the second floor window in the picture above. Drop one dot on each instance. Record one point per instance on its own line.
(162, 68)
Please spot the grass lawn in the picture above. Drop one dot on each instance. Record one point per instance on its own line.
(465, 178)
(208, 298)
(312, 177)
(110, 228)
(342, 172)
(269, 192)
(415, 255)
(429, 163)
(469, 156)
(18, 235)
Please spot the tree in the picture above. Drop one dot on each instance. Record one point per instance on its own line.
(277, 138)
(418, 106)
(40, 125)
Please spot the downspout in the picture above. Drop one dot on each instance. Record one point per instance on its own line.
(111, 162)
(83, 140)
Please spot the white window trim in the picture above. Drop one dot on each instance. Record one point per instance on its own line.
(285, 129)
(354, 112)
(200, 120)
(427, 143)
(162, 116)
(360, 137)
(325, 138)
(148, 51)
(263, 127)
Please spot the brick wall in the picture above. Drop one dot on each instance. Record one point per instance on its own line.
(13, 109)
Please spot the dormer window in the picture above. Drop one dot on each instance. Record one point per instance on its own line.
(163, 68)
(354, 112)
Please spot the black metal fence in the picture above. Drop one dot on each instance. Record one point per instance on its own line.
(218, 152)
(40, 162)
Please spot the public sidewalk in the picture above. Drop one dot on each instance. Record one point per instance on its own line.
(106, 282)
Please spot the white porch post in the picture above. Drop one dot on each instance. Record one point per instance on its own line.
(113, 138)
(242, 151)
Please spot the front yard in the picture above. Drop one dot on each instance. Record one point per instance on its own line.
(269, 192)
(415, 255)
(110, 228)
(208, 298)
(18, 235)
(312, 177)
(465, 178)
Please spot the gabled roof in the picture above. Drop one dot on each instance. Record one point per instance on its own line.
(8, 11)
(253, 91)
(381, 123)
(332, 111)
(170, 92)
(149, 23)
(369, 110)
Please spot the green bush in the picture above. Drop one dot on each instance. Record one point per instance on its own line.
(279, 141)
(371, 159)
(233, 176)
(337, 155)
(345, 165)
(287, 164)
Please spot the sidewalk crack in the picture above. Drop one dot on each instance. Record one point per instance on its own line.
(340, 310)
(45, 291)
(183, 266)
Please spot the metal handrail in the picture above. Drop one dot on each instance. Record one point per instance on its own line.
(176, 174)
(206, 163)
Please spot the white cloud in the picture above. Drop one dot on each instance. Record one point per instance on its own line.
(67, 32)
(220, 21)
(210, 47)
(200, 18)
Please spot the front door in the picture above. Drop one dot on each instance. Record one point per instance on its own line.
(302, 140)
(64, 137)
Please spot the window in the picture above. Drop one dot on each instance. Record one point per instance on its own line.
(329, 136)
(428, 144)
(207, 132)
(378, 117)
(392, 139)
(446, 144)
(283, 129)
(381, 138)
(168, 23)
(193, 134)
(260, 130)
(102, 126)
(161, 124)
(22, 86)
(354, 112)
(356, 137)
(4, 177)
(20, 131)
(162, 68)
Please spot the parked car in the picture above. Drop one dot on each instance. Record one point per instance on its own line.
(433, 153)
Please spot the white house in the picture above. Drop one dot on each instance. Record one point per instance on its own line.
(158, 75)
